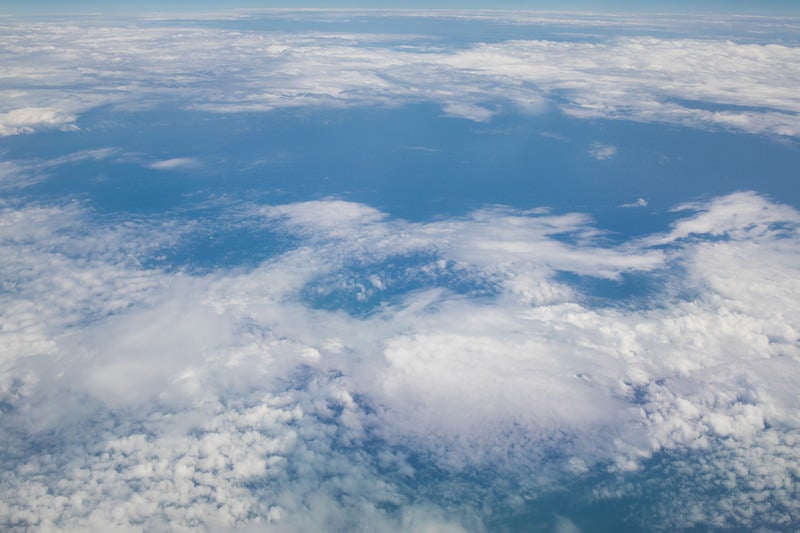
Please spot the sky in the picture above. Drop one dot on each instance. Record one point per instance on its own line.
(704, 6)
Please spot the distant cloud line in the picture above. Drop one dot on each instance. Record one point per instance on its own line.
(54, 73)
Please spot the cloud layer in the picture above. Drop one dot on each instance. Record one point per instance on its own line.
(55, 71)
(454, 379)
(380, 374)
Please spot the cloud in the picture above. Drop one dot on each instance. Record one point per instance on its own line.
(53, 76)
(468, 111)
(601, 152)
(381, 374)
(29, 119)
(724, 217)
(17, 174)
(177, 163)
(554, 136)
(565, 525)
(427, 149)
(640, 202)
(138, 397)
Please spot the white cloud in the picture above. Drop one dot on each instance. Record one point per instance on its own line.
(640, 202)
(177, 163)
(727, 215)
(227, 400)
(468, 111)
(29, 119)
(601, 151)
(427, 149)
(706, 83)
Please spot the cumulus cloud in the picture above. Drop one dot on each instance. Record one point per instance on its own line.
(705, 83)
(29, 119)
(137, 397)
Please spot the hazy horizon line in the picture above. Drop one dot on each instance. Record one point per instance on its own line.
(57, 8)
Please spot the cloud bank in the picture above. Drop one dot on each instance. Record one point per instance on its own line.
(389, 375)
(55, 72)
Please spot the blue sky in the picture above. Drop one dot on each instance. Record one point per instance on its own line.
(726, 6)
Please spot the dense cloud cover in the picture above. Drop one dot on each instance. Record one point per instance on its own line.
(147, 397)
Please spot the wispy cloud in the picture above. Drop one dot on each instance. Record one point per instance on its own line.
(16, 174)
(601, 151)
(428, 149)
(554, 136)
(177, 163)
(640, 202)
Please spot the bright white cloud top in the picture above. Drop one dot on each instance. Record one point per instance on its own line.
(343, 368)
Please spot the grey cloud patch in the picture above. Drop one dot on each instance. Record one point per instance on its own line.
(644, 79)
(139, 397)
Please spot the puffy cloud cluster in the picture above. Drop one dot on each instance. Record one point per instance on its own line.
(30, 119)
(139, 397)
(55, 71)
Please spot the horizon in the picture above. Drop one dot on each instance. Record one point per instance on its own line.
(123, 7)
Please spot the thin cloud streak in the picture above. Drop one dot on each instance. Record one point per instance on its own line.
(177, 163)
